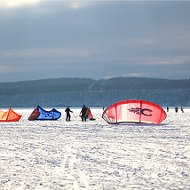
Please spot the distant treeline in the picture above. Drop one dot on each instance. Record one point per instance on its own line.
(77, 91)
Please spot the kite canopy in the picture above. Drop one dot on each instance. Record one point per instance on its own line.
(134, 111)
(40, 114)
(89, 114)
(9, 116)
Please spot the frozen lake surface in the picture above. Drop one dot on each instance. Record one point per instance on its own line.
(60, 155)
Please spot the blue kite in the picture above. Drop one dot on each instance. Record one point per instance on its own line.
(40, 114)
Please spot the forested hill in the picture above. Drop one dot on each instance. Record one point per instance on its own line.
(78, 91)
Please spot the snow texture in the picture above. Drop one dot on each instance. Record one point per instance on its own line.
(93, 155)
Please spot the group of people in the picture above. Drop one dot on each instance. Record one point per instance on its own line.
(176, 109)
(85, 112)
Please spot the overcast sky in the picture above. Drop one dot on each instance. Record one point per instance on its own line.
(96, 39)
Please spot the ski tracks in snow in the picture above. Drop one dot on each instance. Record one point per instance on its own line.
(70, 168)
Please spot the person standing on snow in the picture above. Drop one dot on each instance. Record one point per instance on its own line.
(68, 116)
(83, 112)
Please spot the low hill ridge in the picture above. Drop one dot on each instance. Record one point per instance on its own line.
(102, 92)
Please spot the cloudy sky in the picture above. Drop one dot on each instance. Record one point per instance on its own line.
(96, 39)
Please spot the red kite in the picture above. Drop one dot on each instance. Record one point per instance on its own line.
(134, 111)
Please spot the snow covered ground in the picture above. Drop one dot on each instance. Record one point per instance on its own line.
(61, 155)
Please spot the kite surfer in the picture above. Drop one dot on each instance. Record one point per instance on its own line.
(68, 116)
(83, 112)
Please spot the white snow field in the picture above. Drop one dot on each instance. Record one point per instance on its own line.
(60, 155)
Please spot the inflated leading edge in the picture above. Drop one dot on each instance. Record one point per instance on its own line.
(134, 111)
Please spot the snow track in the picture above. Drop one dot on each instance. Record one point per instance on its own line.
(59, 155)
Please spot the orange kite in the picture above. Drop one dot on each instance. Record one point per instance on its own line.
(9, 116)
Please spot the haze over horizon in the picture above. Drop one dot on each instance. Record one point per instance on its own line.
(43, 39)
